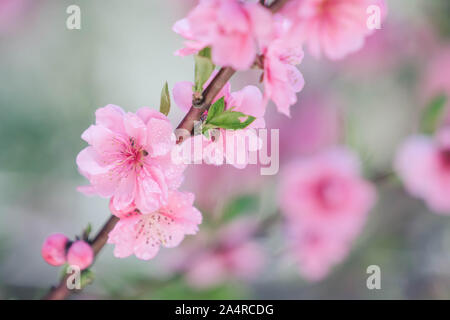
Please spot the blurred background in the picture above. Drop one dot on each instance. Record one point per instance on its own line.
(53, 79)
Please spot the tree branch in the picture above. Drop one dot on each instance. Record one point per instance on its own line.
(61, 292)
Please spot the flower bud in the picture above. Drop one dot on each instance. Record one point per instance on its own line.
(54, 249)
(80, 254)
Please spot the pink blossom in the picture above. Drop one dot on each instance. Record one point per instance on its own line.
(327, 190)
(54, 249)
(436, 80)
(423, 164)
(234, 254)
(325, 201)
(334, 28)
(232, 28)
(12, 14)
(437, 73)
(282, 79)
(143, 234)
(317, 250)
(225, 144)
(199, 177)
(80, 254)
(315, 125)
(397, 43)
(129, 158)
(211, 268)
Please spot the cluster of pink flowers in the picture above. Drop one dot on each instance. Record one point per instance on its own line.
(129, 161)
(58, 250)
(325, 202)
(334, 27)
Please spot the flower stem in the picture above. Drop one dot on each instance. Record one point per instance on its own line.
(61, 291)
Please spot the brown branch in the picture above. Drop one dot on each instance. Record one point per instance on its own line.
(199, 106)
(277, 5)
(186, 126)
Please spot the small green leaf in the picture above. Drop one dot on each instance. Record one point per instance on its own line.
(64, 270)
(164, 106)
(240, 206)
(217, 108)
(205, 52)
(87, 231)
(206, 127)
(433, 114)
(87, 277)
(231, 120)
(203, 70)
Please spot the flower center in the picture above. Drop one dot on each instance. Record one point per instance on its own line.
(135, 154)
(444, 158)
(154, 229)
(329, 193)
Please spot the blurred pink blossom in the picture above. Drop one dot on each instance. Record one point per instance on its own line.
(233, 44)
(437, 79)
(199, 177)
(282, 80)
(423, 164)
(54, 249)
(80, 254)
(211, 268)
(233, 254)
(398, 42)
(11, 12)
(129, 158)
(333, 28)
(143, 234)
(317, 250)
(327, 190)
(316, 123)
(326, 202)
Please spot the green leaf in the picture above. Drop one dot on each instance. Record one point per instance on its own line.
(87, 231)
(433, 114)
(217, 108)
(240, 206)
(231, 120)
(64, 270)
(203, 70)
(205, 52)
(164, 106)
(206, 128)
(87, 277)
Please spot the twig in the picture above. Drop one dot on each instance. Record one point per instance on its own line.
(277, 5)
(198, 108)
(61, 292)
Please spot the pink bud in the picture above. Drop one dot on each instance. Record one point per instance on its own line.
(54, 249)
(80, 254)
